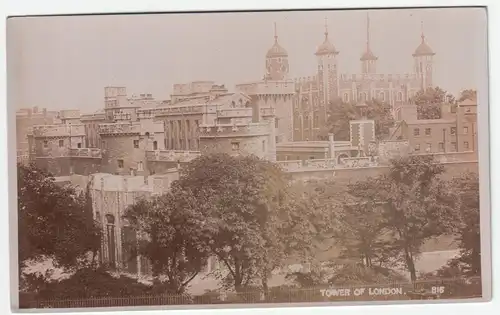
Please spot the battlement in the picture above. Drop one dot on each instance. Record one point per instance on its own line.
(266, 112)
(327, 164)
(172, 155)
(69, 114)
(267, 88)
(146, 113)
(86, 153)
(234, 130)
(122, 116)
(396, 78)
(57, 130)
(119, 128)
(234, 112)
(95, 116)
(185, 109)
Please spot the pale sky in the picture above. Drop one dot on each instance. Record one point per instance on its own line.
(65, 62)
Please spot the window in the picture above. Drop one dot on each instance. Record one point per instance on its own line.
(441, 146)
(417, 147)
(235, 146)
(400, 96)
(311, 158)
(263, 145)
(466, 130)
(416, 132)
(453, 109)
(78, 145)
(346, 97)
(136, 144)
(103, 144)
(453, 130)
(428, 148)
(120, 163)
(427, 131)
(147, 134)
(382, 96)
(140, 166)
(276, 123)
(466, 145)
(276, 139)
(61, 143)
(454, 146)
(155, 145)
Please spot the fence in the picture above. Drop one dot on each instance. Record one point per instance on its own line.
(428, 289)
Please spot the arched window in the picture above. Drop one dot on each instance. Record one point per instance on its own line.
(233, 104)
(155, 145)
(346, 97)
(382, 96)
(110, 233)
(147, 134)
(400, 96)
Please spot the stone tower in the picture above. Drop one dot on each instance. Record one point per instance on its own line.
(327, 70)
(276, 61)
(423, 60)
(368, 59)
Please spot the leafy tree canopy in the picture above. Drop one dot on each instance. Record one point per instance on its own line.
(341, 113)
(54, 221)
(170, 237)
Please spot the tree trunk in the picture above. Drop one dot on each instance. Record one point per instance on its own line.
(265, 287)
(410, 264)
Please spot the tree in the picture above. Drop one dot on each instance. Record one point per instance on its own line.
(340, 114)
(170, 237)
(360, 229)
(250, 211)
(417, 205)
(468, 94)
(467, 225)
(54, 221)
(429, 102)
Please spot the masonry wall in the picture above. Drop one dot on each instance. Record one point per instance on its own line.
(256, 145)
(352, 175)
(160, 167)
(65, 166)
(121, 147)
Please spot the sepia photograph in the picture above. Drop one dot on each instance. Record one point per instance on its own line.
(264, 158)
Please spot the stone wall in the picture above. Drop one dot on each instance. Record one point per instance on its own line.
(347, 175)
(65, 166)
(121, 147)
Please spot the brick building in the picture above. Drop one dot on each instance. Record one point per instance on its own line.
(456, 131)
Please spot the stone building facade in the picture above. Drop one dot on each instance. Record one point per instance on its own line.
(314, 93)
(456, 131)
(26, 118)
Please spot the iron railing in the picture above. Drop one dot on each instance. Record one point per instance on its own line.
(426, 289)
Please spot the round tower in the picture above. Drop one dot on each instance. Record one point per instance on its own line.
(423, 60)
(327, 69)
(276, 61)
